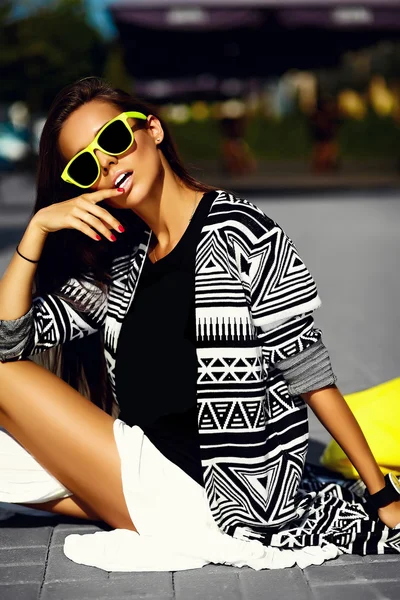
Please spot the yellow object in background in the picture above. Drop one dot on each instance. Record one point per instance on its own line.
(377, 411)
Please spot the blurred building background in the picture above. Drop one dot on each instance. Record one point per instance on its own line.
(258, 92)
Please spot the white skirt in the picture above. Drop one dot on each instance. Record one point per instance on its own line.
(176, 530)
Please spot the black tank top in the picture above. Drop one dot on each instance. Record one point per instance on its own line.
(156, 363)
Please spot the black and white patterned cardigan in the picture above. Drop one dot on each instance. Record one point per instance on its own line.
(254, 299)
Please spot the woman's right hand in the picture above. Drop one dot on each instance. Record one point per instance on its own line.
(81, 213)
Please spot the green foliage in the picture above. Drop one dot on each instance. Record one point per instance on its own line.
(374, 136)
(197, 139)
(42, 53)
(268, 138)
(289, 138)
(286, 138)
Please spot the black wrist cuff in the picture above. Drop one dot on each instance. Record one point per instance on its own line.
(385, 496)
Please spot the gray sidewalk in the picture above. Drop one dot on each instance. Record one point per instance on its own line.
(351, 244)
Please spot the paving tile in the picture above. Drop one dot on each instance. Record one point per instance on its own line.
(388, 590)
(21, 574)
(279, 584)
(345, 592)
(345, 559)
(143, 583)
(22, 556)
(200, 584)
(29, 591)
(383, 558)
(381, 590)
(228, 569)
(97, 590)
(377, 571)
(22, 537)
(322, 575)
(61, 568)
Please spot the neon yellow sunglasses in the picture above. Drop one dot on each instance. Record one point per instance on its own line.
(114, 138)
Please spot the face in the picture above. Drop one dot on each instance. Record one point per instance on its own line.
(143, 161)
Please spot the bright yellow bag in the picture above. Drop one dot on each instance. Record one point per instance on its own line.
(377, 411)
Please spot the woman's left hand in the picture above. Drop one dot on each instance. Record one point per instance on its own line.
(390, 514)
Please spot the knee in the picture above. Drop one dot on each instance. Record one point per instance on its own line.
(122, 520)
(126, 524)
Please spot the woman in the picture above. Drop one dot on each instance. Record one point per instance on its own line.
(198, 313)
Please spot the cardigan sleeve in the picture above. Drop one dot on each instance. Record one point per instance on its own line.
(309, 370)
(281, 285)
(283, 298)
(76, 310)
(288, 338)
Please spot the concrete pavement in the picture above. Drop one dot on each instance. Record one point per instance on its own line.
(350, 242)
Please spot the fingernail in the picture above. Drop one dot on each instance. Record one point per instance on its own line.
(120, 228)
(120, 189)
(113, 238)
(98, 237)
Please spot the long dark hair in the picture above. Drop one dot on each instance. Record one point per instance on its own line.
(69, 253)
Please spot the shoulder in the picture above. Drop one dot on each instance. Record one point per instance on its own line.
(237, 214)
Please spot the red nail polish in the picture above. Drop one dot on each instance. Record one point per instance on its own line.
(120, 228)
(120, 189)
(98, 237)
(112, 237)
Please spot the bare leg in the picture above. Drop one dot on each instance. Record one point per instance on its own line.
(72, 507)
(68, 435)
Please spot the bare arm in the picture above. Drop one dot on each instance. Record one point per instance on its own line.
(17, 281)
(29, 326)
(81, 213)
(334, 413)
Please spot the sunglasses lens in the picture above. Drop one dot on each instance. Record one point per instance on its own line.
(84, 169)
(116, 138)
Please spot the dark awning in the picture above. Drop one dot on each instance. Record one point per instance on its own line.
(245, 39)
(222, 14)
(195, 19)
(140, 4)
